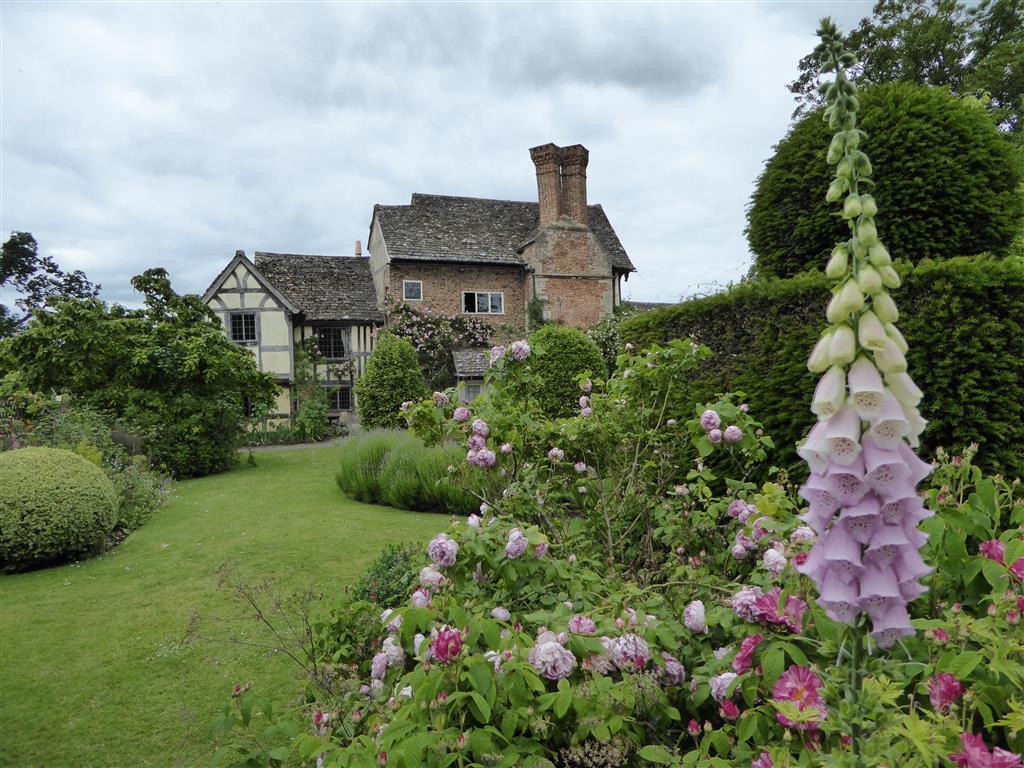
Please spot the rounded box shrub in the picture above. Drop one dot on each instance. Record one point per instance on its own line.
(567, 353)
(54, 505)
(392, 377)
(948, 181)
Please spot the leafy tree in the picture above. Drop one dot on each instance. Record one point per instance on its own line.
(36, 279)
(311, 397)
(947, 179)
(976, 51)
(392, 377)
(167, 369)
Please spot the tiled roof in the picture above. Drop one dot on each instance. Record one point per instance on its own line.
(471, 363)
(472, 229)
(323, 287)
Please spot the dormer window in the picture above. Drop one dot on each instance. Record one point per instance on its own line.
(412, 290)
(243, 327)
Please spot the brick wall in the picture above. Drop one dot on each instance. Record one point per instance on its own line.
(443, 285)
(572, 274)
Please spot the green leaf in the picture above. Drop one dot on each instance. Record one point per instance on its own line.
(278, 753)
(481, 675)
(480, 708)
(747, 727)
(655, 753)
(995, 574)
(772, 663)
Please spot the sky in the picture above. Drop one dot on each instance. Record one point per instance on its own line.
(144, 134)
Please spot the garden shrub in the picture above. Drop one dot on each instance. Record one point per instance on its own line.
(54, 505)
(362, 457)
(392, 377)
(394, 468)
(562, 354)
(390, 576)
(963, 319)
(947, 180)
(434, 336)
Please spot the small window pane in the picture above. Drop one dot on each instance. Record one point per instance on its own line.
(331, 342)
(496, 304)
(341, 398)
(483, 300)
(243, 327)
(412, 290)
(469, 302)
(472, 391)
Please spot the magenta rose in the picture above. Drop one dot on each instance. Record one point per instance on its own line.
(446, 645)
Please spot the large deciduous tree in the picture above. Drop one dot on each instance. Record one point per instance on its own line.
(167, 370)
(972, 50)
(34, 280)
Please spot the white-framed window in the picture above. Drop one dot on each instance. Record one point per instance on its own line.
(412, 290)
(483, 302)
(340, 398)
(332, 342)
(243, 326)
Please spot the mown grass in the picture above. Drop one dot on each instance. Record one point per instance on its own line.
(97, 667)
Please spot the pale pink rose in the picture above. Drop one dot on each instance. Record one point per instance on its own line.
(461, 413)
(579, 466)
(732, 434)
(477, 442)
(551, 660)
(584, 401)
(587, 412)
(506, 448)
(630, 653)
(431, 578)
(587, 385)
(739, 552)
(693, 617)
(379, 666)
(480, 428)
(443, 550)
(393, 652)
(556, 454)
(582, 625)
(473, 521)
(516, 545)
(497, 353)
(540, 550)
(486, 458)
(420, 598)
(673, 673)
(774, 561)
(720, 685)
(440, 398)
(736, 507)
(715, 436)
(745, 603)
(710, 420)
(500, 613)
(519, 350)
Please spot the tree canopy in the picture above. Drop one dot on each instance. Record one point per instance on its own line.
(35, 279)
(971, 50)
(167, 370)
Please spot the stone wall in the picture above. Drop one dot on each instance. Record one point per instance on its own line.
(443, 284)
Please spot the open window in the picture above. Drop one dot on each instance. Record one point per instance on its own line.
(483, 302)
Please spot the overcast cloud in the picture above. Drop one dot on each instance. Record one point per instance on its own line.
(141, 134)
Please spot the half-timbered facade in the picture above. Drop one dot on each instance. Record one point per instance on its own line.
(272, 304)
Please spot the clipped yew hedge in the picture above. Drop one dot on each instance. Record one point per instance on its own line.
(963, 319)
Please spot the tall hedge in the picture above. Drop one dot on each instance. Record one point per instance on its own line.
(948, 182)
(963, 319)
(565, 353)
(392, 376)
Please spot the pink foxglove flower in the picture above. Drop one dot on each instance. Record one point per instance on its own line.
(446, 645)
(720, 685)
(442, 551)
(630, 653)
(693, 617)
(732, 434)
(550, 658)
(710, 420)
(944, 691)
(516, 545)
(743, 662)
(800, 686)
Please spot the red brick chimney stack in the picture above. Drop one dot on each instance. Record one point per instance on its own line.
(547, 158)
(574, 183)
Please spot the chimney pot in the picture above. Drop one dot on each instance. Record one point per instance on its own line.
(239, 253)
(359, 248)
(547, 159)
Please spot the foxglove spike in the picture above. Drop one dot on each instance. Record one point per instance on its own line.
(842, 435)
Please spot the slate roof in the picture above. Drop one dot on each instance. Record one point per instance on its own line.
(323, 287)
(471, 363)
(476, 230)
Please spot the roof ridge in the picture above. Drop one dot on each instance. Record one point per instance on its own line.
(310, 255)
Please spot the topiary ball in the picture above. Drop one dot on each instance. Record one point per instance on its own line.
(948, 183)
(54, 506)
(567, 353)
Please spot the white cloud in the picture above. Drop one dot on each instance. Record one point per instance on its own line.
(140, 135)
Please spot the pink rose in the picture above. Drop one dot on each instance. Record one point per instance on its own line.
(506, 448)
(630, 653)
(733, 434)
(944, 691)
(993, 549)
(720, 685)
(586, 386)
(550, 658)
(486, 458)
(729, 710)
(743, 662)
(582, 625)
(736, 507)
(461, 413)
(480, 428)
(556, 454)
(516, 545)
(693, 617)
(587, 412)
(710, 420)
(446, 645)
(584, 401)
(540, 550)
(500, 613)
(673, 673)
(442, 551)
(420, 598)
(579, 466)
(379, 666)
(440, 398)
(477, 442)
(715, 436)
(519, 350)
(431, 578)
(764, 760)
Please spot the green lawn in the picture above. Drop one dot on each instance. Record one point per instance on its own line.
(95, 665)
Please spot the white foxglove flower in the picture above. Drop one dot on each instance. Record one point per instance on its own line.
(830, 394)
(843, 346)
(904, 389)
(843, 436)
(870, 332)
(889, 425)
(867, 392)
(894, 333)
(885, 307)
(869, 280)
(819, 359)
(851, 297)
(889, 359)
